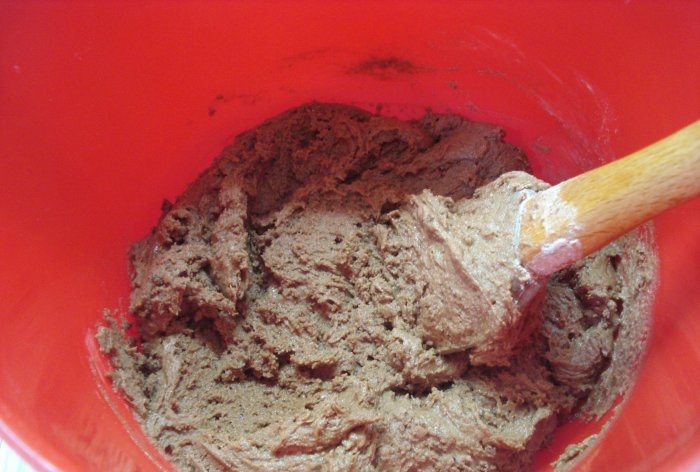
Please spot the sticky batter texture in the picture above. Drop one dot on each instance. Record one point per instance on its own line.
(339, 292)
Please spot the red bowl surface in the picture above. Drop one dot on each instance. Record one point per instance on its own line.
(106, 108)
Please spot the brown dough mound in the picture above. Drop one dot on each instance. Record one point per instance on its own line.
(279, 319)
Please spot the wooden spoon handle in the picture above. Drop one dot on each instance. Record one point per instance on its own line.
(579, 216)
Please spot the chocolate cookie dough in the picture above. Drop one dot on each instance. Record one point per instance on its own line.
(333, 294)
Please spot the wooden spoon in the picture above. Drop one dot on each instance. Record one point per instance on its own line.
(579, 216)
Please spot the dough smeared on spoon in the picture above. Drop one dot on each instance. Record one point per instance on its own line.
(470, 266)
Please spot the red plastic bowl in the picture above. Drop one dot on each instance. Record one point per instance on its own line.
(107, 108)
